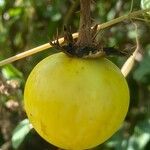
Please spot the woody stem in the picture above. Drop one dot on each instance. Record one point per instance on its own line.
(84, 38)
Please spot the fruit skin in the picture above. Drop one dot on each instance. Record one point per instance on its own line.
(76, 103)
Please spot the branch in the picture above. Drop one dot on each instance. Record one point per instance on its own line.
(75, 35)
(85, 37)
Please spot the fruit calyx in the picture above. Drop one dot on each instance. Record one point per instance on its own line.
(86, 45)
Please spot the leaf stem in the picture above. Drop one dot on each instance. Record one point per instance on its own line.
(122, 18)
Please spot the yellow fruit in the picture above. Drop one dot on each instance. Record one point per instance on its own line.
(76, 103)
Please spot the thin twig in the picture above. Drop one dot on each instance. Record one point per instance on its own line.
(75, 35)
(141, 19)
(131, 8)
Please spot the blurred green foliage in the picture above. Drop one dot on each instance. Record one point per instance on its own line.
(25, 24)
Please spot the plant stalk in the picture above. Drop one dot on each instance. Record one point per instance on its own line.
(84, 38)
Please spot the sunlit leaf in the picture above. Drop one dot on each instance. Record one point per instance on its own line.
(117, 141)
(9, 72)
(20, 132)
(141, 136)
(145, 4)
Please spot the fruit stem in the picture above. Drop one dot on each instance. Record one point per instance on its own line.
(85, 36)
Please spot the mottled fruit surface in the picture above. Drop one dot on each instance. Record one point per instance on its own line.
(76, 103)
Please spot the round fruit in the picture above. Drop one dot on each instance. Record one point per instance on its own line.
(76, 103)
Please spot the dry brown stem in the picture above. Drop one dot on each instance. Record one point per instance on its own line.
(128, 65)
(85, 36)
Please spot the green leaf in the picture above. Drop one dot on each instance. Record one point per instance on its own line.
(9, 72)
(15, 11)
(117, 141)
(145, 4)
(142, 73)
(141, 136)
(20, 132)
(1, 3)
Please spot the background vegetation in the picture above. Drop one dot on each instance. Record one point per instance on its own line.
(25, 24)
